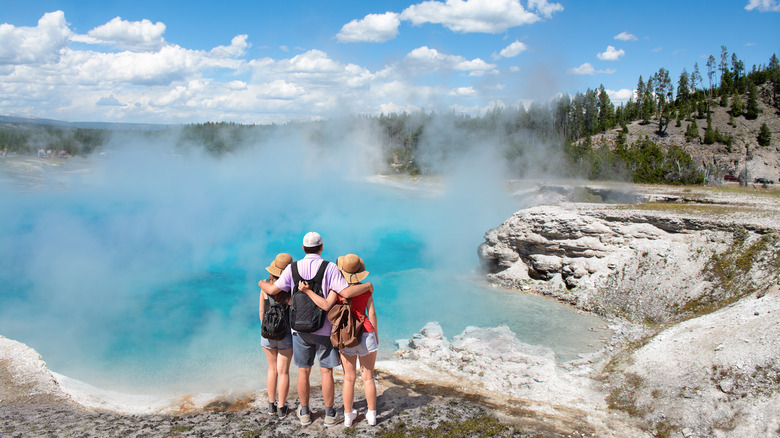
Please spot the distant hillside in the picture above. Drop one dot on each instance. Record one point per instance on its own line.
(742, 154)
(13, 121)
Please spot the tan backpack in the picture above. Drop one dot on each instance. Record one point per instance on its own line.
(347, 330)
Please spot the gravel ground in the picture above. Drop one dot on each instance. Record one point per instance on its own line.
(405, 409)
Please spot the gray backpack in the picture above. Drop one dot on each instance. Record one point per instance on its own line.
(305, 316)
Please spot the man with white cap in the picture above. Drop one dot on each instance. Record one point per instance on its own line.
(308, 345)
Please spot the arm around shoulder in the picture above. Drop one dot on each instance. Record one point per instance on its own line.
(268, 287)
(354, 290)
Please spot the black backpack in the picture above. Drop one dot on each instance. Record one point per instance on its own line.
(305, 316)
(275, 321)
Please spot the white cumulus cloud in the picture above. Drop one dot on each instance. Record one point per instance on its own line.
(237, 47)
(34, 45)
(141, 35)
(611, 54)
(584, 69)
(763, 5)
(544, 8)
(427, 59)
(620, 96)
(511, 50)
(464, 16)
(374, 28)
(463, 91)
(625, 36)
(587, 69)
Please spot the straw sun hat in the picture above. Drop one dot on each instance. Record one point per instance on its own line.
(280, 262)
(352, 267)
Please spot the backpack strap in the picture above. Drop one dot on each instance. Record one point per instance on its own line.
(318, 276)
(321, 271)
(296, 276)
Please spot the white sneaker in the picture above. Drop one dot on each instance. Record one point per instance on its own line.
(371, 417)
(349, 418)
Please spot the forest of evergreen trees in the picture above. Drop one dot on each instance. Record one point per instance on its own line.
(563, 126)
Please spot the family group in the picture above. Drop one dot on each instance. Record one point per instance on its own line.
(323, 284)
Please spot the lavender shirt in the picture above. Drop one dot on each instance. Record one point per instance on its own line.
(307, 268)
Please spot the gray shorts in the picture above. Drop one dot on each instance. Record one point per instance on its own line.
(282, 344)
(306, 346)
(367, 345)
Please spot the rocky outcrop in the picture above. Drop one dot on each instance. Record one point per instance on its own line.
(24, 377)
(691, 280)
(493, 363)
(626, 260)
(716, 375)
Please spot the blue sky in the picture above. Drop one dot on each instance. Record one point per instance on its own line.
(272, 62)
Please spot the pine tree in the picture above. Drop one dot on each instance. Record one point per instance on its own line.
(606, 119)
(664, 90)
(683, 94)
(695, 77)
(725, 80)
(774, 78)
(709, 133)
(648, 104)
(640, 96)
(751, 112)
(764, 136)
(692, 132)
(736, 105)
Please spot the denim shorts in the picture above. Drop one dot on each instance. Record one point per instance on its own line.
(367, 345)
(306, 346)
(282, 344)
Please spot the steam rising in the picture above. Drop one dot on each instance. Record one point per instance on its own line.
(140, 269)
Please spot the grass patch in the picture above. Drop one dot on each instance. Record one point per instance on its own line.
(624, 397)
(685, 208)
(730, 272)
(480, 426)
(178, 430)
(665, 429)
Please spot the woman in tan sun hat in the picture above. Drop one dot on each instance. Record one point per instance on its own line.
(354, 271)
(277, 352)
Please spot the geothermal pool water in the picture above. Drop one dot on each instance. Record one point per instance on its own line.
(139, 272)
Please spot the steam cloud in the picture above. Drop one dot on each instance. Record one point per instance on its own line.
(155, 253)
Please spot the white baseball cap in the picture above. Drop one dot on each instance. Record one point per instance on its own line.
(312, 239)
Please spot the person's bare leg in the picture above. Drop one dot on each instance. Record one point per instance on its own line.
(270, 378)
(350, 371)
(367, 363)
(328, 387)
(283, 360)
(303, 385)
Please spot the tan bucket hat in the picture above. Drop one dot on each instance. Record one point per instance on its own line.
(280, 262)
(352, 267)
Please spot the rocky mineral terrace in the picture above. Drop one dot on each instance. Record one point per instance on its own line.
(690, 278)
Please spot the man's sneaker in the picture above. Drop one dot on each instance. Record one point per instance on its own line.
(331, 421)
(271, 408)
(282, 412)
(349, 418)
(371, 417)
(305, 418)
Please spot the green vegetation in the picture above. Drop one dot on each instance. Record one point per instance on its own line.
(480, 426)
(178, 430)
(764, 136)
(730, 272)
(76, 141)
